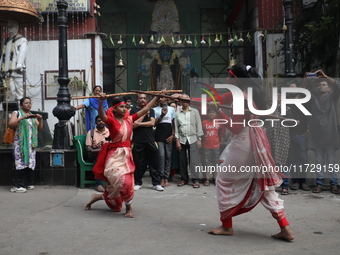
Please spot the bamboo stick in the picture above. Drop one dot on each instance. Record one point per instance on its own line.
(128, 93)
(246, 111)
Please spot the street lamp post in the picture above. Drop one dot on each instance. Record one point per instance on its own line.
(289, 51)
(64, 129)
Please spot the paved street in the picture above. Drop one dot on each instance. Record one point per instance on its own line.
(52, 220)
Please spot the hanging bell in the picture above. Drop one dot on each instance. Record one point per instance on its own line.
(232, 61)
(120, 63)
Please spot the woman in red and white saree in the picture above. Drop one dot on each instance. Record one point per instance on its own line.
(239, 192)
(115, 164)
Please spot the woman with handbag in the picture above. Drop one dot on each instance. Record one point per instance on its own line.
(26, 127)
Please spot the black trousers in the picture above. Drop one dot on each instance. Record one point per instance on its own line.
(146, 154)
(189, 152)
(23, 177)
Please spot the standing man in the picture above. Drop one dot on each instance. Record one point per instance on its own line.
(13, 61)
(144, 147)
(91, 105)
(128, 100)
(323, 131)
(164, 135)
(188, 133)
(298, 152)
(95, 139)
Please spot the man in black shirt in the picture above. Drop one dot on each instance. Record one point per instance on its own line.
(144, 147)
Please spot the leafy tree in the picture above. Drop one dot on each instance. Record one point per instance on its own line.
(317, 32)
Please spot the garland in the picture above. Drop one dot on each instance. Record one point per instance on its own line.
(14, 39)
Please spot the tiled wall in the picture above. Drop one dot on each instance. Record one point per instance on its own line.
(44, 173)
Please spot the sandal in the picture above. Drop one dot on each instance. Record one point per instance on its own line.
(181, 184)
(317, 189)
(305, 187)
(196, 185)
(206, 183)
(294, 186)
(335, 190)
(284, 191)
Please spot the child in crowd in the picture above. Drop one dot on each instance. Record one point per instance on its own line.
(213, 136)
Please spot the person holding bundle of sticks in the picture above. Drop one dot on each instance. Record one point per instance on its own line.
(115, 163)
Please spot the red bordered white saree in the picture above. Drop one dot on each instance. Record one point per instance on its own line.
(115, 163)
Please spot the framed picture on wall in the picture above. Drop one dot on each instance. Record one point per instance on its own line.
(76, 87)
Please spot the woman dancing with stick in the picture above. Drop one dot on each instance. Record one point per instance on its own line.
(239, 192)
(115, 164)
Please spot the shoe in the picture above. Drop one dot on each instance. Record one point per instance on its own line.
(99, 188)
(294, 186)
(181, 184)
(30, 187)
(317, 189)
(284, 191)
(137, 187)
(158, 188)
(335, 190)
(206, 183)
(196, 185)
(304, 186)
(18, 190)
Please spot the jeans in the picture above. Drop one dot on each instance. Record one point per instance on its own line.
(165, 151)
(321, 155)
(285, 181)
(189, 152)
(298, 156)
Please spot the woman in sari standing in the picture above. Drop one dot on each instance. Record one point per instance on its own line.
(239, 192)
(26, 127)
(115, 164)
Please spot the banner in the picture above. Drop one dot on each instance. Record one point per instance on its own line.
(50, 6)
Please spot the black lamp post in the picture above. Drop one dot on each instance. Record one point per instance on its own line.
(64, 130)
(289, 51)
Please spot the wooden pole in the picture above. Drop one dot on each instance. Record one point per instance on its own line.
(220, 106)
(129, 93)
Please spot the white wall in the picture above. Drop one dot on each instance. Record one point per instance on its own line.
(43, 56)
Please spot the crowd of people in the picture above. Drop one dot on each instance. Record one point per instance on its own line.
(168, 135)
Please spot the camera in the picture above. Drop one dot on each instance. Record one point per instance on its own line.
(311, 75)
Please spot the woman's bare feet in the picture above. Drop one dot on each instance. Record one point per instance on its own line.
(285, 234)
(94, 198)
(128, 213)
(221, 231)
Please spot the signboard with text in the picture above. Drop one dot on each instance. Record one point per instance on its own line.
(50, 6)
